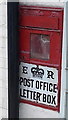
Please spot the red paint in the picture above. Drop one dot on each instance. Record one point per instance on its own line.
(55, 45)
(36, 17)
(46, 21)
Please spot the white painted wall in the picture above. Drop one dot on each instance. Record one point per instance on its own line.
(29, 111)
(25, 110)
(56, 3)
(3, 61)
(45, 1)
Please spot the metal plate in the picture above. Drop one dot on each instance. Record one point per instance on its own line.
(38, 84)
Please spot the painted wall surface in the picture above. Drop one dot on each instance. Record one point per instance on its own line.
(25, 110)
(29, 111)
(44, 2)
(3, 61)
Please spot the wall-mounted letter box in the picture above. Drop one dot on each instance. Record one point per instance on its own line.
(40, 55)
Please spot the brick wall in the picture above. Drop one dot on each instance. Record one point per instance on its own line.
(3, 61)
(25, 110)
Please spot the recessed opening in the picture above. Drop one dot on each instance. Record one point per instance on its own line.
(40, 46)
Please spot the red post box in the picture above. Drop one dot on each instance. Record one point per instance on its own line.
(40, 55)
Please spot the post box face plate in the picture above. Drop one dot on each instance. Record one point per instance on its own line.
(40, 55)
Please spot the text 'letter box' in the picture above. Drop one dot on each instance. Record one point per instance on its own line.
(40, 53)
